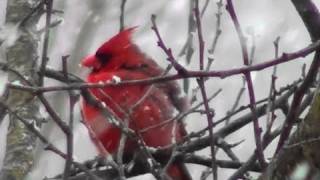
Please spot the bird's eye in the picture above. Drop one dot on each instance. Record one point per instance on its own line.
(104, 57)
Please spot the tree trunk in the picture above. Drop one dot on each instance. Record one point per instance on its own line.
(21, 56)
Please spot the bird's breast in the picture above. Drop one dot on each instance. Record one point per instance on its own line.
(147, 108)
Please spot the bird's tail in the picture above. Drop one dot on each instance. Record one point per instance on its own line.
(178, 171)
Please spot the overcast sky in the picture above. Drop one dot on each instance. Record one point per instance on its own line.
(87, 24)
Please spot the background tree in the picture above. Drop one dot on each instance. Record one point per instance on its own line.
(21, 60)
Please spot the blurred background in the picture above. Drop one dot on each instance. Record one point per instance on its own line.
(85, 25)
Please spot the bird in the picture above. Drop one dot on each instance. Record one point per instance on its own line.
(146, 108)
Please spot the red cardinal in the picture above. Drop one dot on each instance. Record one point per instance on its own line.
(120, 59)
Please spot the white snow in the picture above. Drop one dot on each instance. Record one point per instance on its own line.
(9, 34)
(116, 79)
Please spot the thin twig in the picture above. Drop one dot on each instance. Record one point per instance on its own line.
(191, 158)
(267, 139)
(227, 149)
(218, 28)
(52, 25)
(311, 19)
(297, 98)
(137, 137)
(45, 58)
(236, 102)
(72, 101)
(242, 108)
(201, 84)
(243, 43)
(120, 152)
(181, 115)
(180, 69)
(49, 146)
(187, 47)
(122, 9)
(39, 7)
(272, 91)
(79, 84)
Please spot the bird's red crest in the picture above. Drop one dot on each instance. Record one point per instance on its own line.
(120, 59)
(117, 43)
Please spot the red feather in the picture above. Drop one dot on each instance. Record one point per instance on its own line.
(120, 58)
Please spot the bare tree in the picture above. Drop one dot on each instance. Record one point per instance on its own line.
(296, 149)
